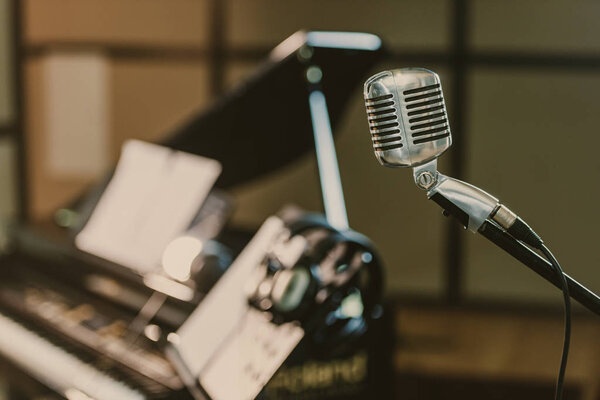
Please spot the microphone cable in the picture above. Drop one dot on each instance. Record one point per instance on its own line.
(567, 307)
(524, 233)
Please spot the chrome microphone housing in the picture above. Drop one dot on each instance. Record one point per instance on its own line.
(407, 116)
(409, 128)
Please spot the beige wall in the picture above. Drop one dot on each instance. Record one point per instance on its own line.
(143, 99)
(151, 23)
(533, 141)
(132, 97)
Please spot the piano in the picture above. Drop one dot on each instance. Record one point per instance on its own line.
(73, 325)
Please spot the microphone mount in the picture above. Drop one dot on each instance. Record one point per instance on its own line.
(471, 205)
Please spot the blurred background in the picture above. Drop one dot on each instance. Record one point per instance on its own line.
(522, 86)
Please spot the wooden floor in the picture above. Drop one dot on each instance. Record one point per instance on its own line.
(463, 354)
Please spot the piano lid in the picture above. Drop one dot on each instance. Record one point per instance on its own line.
(264, 124)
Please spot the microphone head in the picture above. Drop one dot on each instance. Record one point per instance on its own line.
(407, 116)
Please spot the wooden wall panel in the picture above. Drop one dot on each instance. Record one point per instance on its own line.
(173, 23)
(146, 100)
(557, 26)
(533, 143)
(414, 24)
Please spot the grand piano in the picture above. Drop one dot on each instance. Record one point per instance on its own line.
(69, 321)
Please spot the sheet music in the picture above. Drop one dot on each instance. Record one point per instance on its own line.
(230, 347)
(153, 196)
(250, 358)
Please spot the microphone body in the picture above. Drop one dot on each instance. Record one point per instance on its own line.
(472, 205)
(407, 117)
(409, 128)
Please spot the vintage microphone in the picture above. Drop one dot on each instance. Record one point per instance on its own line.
(409, 128)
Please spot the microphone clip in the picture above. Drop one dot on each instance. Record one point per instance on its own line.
(471, 205)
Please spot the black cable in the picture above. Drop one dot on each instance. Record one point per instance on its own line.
(523, 232)
(567, 337)
(518, 229)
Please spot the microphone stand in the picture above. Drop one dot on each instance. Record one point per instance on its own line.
(529, 258)
(473, 208)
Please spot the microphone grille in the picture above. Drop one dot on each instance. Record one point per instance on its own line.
(383, 122)
(407, 116)
(426, 112)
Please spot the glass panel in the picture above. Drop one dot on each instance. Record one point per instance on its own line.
(533, 143)
(157, 23)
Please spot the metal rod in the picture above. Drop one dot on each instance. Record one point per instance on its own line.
(329, 173)
(145, 315)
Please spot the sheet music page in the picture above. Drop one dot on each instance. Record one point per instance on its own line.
(230, 347)
(153, 196)
(250, 358)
